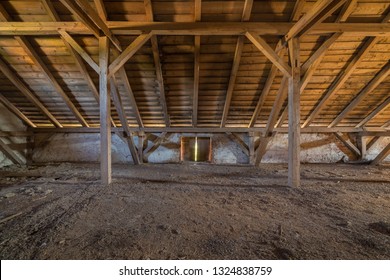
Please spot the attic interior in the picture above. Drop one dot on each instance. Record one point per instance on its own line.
(163, 129)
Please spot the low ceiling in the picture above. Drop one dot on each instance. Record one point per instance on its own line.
(45, 81)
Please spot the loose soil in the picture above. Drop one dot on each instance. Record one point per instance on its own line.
(194, 211)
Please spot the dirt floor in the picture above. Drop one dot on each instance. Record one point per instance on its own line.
(188, 211)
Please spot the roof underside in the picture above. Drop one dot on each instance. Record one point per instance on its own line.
(177, 59)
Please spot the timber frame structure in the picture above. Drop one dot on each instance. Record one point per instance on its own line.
(243, 66)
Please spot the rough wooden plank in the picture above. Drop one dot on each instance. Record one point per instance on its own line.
(105, 111)
(294, 116)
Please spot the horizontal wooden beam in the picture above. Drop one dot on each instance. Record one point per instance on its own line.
(194, 28)
(188, 129)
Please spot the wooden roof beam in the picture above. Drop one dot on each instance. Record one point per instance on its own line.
(378, 110)
(120, 61)
(157, 63)
(236, 63)
(16, 111)
(193, 28)
(79, 50)
(320, 11)
(86, 14)
(263, 46)
(25, 44)
(27, 93)
(372, 85)
(101, 9)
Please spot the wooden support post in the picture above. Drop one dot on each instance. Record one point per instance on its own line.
(105, 112)
(382, 155)
(362, 145)
(251, 148)
(294, 126)
(141, 138)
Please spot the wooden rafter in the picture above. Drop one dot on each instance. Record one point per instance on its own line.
(342, 78)
(378, 110)
(25, 44)
(86, 14)
(23, 88)
(16, 111)
(120, 61)
(320, 11)
(79, 50)
(372, 85)
(263, 46)
(236, 63)
(297, 12)
(101, 9)
(157, 63)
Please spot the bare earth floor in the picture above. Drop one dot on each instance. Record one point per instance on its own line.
(187, 211)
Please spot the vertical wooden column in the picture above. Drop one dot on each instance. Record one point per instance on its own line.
(105, 112)
(294, 128)
(362, 145)
(251, 148)
(141, 139)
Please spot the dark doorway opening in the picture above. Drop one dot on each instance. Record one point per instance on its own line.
(196, 149)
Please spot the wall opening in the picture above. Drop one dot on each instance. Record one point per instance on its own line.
(196, 149)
